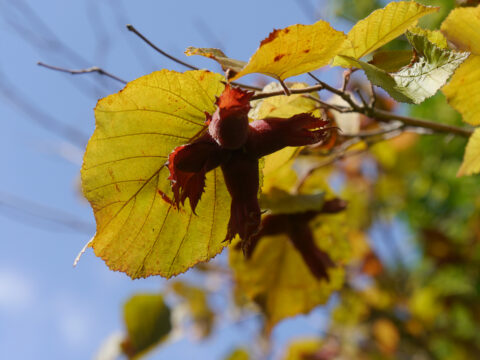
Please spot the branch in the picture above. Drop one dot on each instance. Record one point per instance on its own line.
(83, 71)
(382, 115)
(368, 110)
(292, 91)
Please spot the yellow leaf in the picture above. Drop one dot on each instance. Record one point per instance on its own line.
(381, 27)
(284, 106)
(295, 50)
(461, 27)
(303, 349)
(471, 159)
(277, 278)
(434, 36)
(123, 176)
(463, 90)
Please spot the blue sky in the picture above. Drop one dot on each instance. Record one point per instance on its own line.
(48, 309)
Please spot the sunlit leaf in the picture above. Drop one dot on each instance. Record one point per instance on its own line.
(303, 349)
(147, 319)
(463, 91)
(238, 354)
(461, 28)
(471, 159)
(420, 80)
(139, 232)
(295, 50)
(381, 27)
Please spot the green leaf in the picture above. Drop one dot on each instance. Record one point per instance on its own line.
(381, 27)
(124, 178)
(419, 81)
(147, 319)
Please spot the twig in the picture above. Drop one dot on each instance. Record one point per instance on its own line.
(341, 152)
(373, 99)
(379, 115)
(292, 91)
(362, 99)
(325, 105)
(382, 115)
(83, 71)
(343, 94)
(285, 88)
(131, 28)
(178, 61)
(346, 78)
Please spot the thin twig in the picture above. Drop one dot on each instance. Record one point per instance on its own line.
(92, 69)
(362, 99)
(343, 94)
(382, 115)
(346, 78)
(178, 61)
(285, 88)
(379, 115)
(341, 152)
(131, 28)
(292, 91)
(325, 105)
